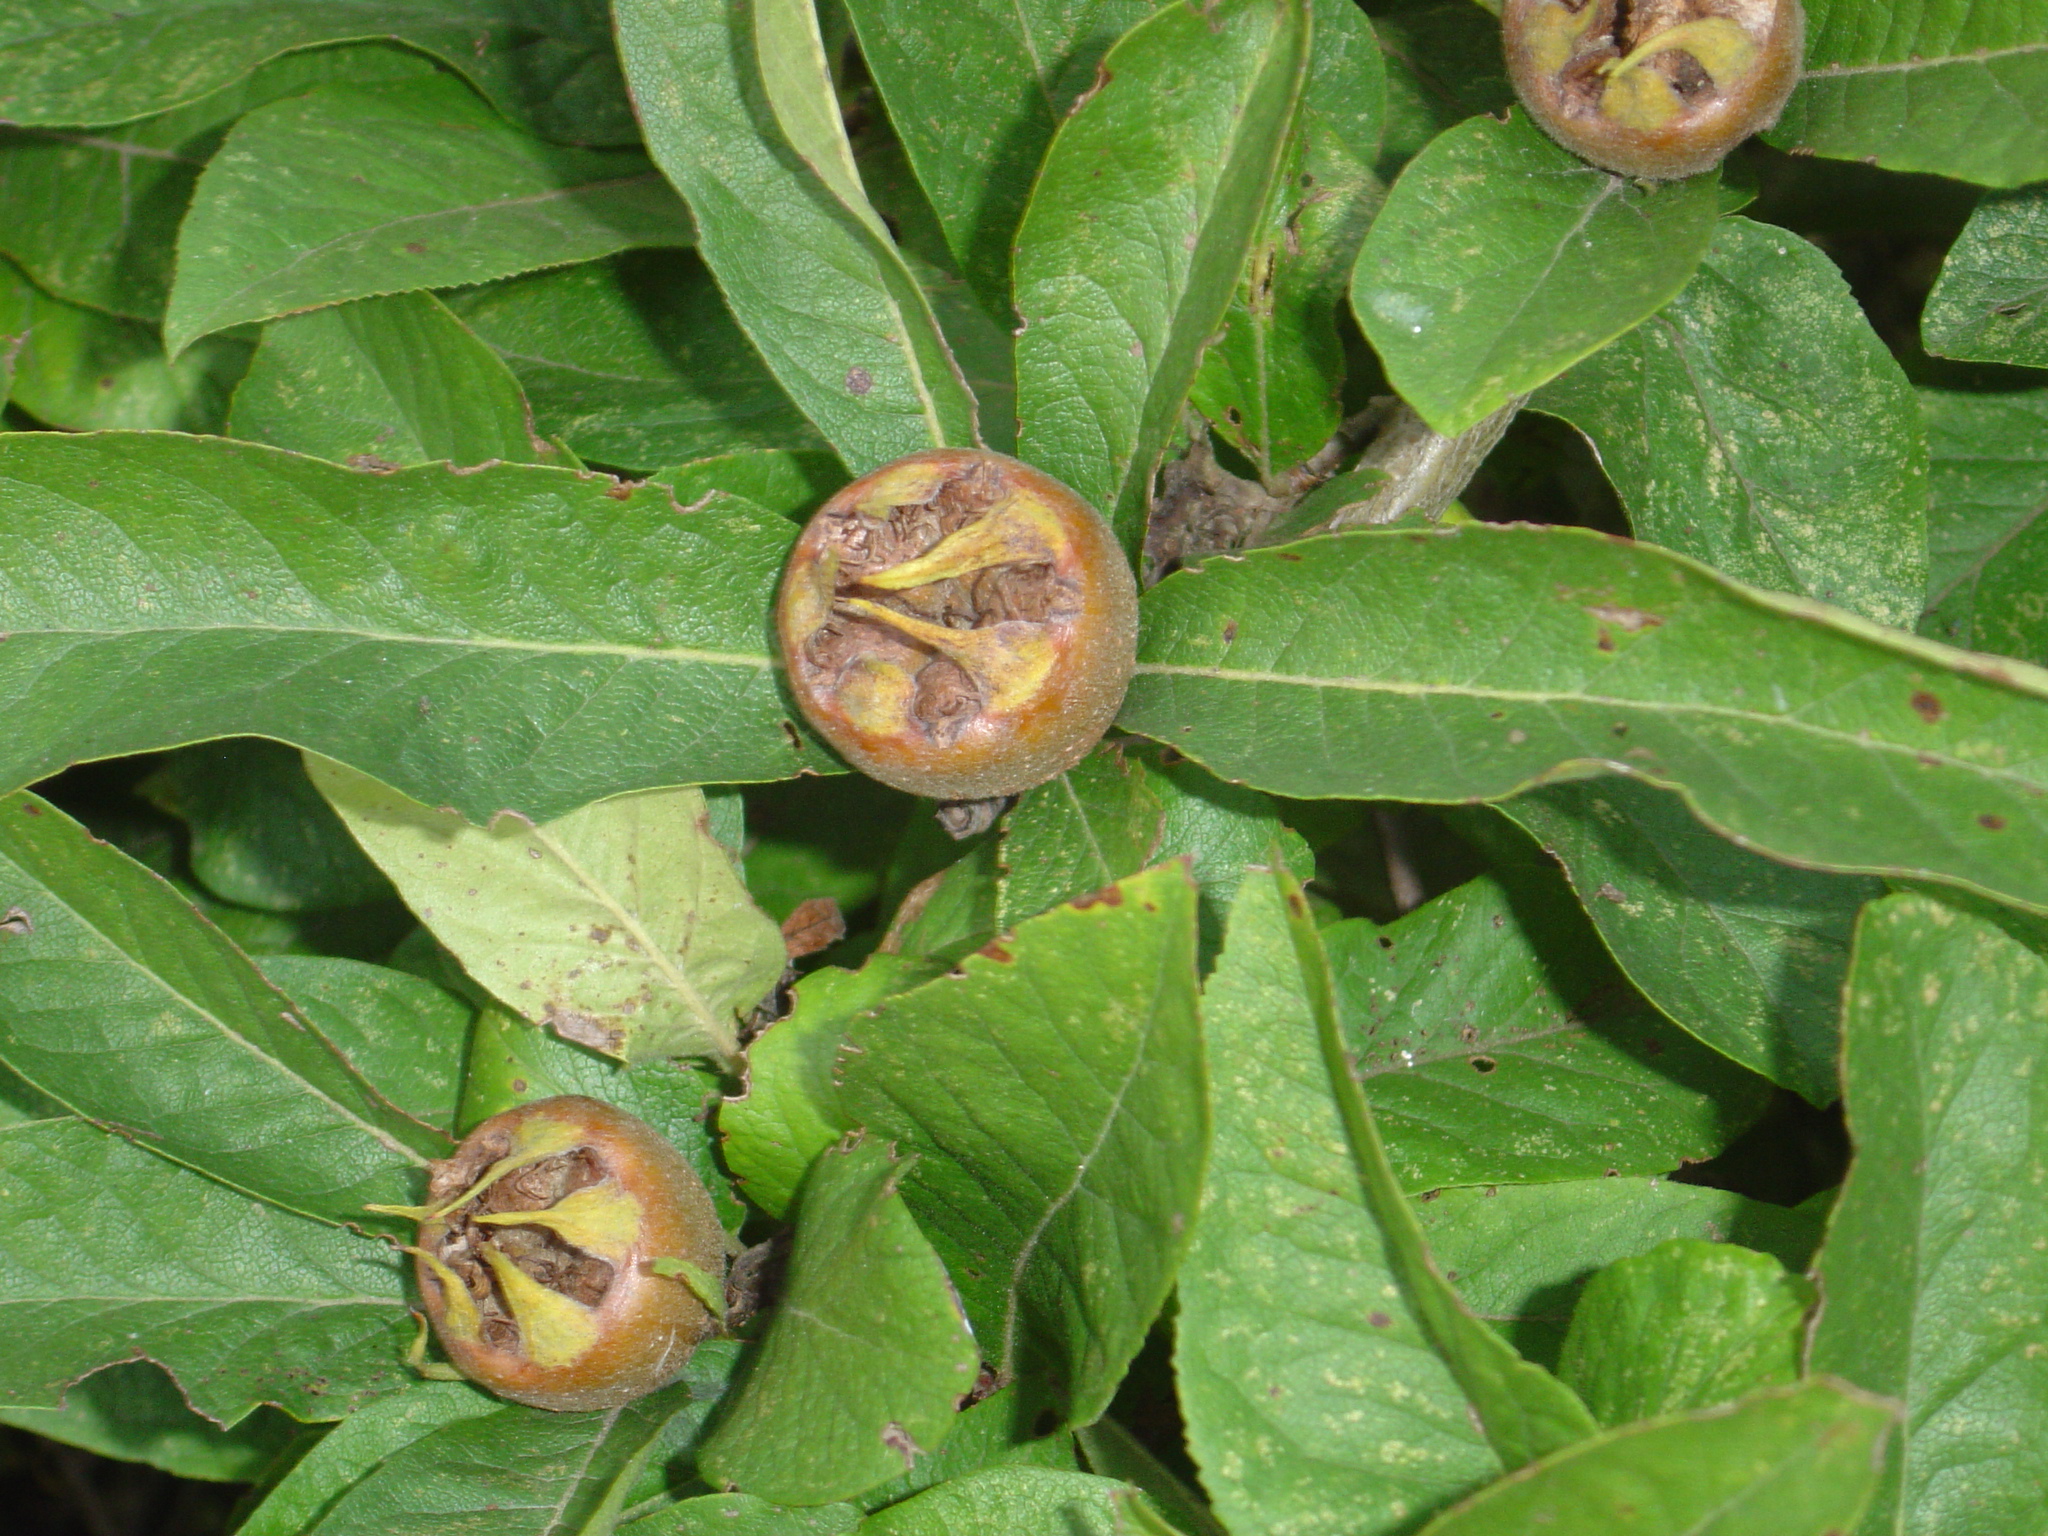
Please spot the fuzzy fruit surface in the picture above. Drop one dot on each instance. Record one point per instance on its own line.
(1656, 89)
(958, 624)
(534, 1258)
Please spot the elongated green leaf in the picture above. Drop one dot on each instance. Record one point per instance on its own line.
(1124, 808)
(1524, 1411)
(65, 65)
(1687, 1325)
(406, 1037)
(1797, 1462)
(261, 835)
(975, 92)
(523, 1471)
(1991, 301)
(1520, 1255)
(351, 190)
(85, 371)
(622, 926)
(1814, 735)
(135, 1412)
(125, 1004)
(383, 383)
(817, 290)
(1553, 259)
(1483, 1067)
(1937, 1256)
(1925, 85)
(1757, 423)
(1744, 953)
(518, 637)
(110, 1253)
(1313, 1400)
(866, 1355)
(1113, 1451)
(741, 1514)
(1060, 1203)
(1137, 230)
(790, 1112)
(791, 483)
(1271, 384)
(1988, 546)
(354, 1447)
(93, 217)
(1019, 1501)
(635, 362)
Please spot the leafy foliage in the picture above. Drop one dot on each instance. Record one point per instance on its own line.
(1588, 725)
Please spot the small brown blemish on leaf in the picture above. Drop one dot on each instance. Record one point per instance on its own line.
(796, 742)
(1285, 555)
(1608, 892)
(31, 810)
(996, 952)
(1379, 1320)
(599, 934)
(858, 380)
(415, 248)
(1108, 896)
(897, 1438)
(1230, 632)
(16, 921)
(618, 491)
(1606, 640)
(1630, 619)
(1483, 1064)
(519, 1085)
(1927, 706)
(815, 924)
(1991, 823)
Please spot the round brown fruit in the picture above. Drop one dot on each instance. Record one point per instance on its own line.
(958, 624)
(1656, 89)
(537, 1254)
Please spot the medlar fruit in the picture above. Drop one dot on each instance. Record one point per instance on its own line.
(958, 624)
(540, 1255)
(1653, 88)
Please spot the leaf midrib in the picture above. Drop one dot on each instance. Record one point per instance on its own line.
(760, 661)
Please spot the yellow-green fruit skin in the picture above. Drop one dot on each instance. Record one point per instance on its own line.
(646, 1325)
(1584, 111)
(867, 708)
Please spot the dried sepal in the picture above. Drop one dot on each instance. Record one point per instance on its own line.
(958, 624)
(1653, 88)
(536, 1257)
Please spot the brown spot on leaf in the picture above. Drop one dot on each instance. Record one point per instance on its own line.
(1230, 632)
(858, 380)
(1108, 896)
(600, 934)
(996, 952)
(1379, 1320)
(415, 248)
(1483, 1064)
(1927, 706)
(897, 1438)
(796, 742)
(31, 810)
(1991, 823)
(1606, 640)
(1630, 619)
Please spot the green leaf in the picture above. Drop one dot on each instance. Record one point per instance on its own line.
(63, 65)
(1758, 424)
(1988, 545)
(1483, 1067)
(866, 1355)
(741, 1514)
(1797, 1462)
(1114, 1451)
(108, 1253)
(1937, 1254)
(1126, 807)
(990, 1433)
(405, 1037)
(1149, 201)
(261, 835)
(622, 926)
(1687, 1325)
(523, 1471)
(1742, 952)
(1814, 735)
(85, 371)
(380, 383)
(519, 636)
(513, 1062)
(1552, 260)
(124, 1003)
(793, 484)
(790, 1111)
(635, 361)
(976, 126)
(93, 217)
(1521, 1254)
(1018, 1501)
(134, 1412)
(352, 190)
(1523, 1410)
(820, 292)
(1443, 65)
(356, 1446)
(1061, 1154)
(1314, 1403)
(1271, 385)
(1925, 85)
(1990, 303)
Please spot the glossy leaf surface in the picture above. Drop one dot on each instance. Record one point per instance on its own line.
(1990, 304)
(1988, 546)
